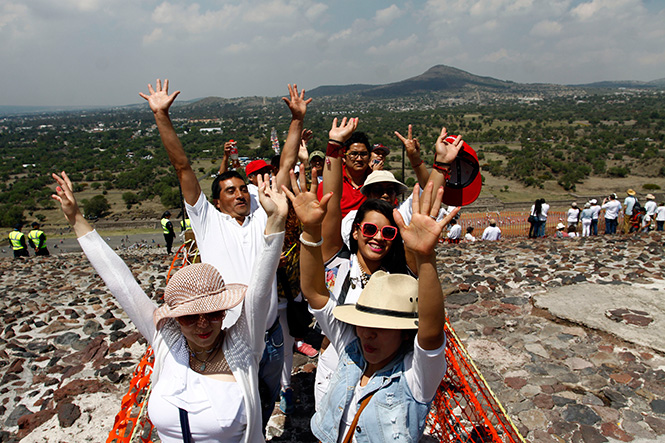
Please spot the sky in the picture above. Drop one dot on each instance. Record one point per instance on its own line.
(104, 52)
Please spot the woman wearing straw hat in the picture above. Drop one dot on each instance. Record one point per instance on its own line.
(205, 385)
(391, 342)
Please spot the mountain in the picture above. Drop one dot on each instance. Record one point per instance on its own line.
(629, 84)
(439, 78)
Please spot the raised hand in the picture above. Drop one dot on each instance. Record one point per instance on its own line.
(65, 196)
(296, 102)
(422, 234)
(446, 151)
(159, 98)
(272, 198)
(411, 144)
(306, 136)
(308, 208)
(343, 131)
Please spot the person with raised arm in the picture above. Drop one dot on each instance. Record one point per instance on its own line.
(204, 377)
(229, 230)
(391, 341)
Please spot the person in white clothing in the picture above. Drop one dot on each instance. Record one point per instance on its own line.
(205, 378)
(492, 232)
(229, 231)
(454, 231)
(469, 235)
(612, 206)
(573, 216)
(595, 214)
(660, 216)
(650, 207)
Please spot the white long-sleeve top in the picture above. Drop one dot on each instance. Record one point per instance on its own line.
(243, 342)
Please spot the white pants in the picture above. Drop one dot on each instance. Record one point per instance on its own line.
(586, 227)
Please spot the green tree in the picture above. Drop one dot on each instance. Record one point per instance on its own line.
(96, 207)
(130, 199)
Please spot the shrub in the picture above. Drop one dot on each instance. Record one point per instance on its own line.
(618, 171)
(96, 207)
(651, 186)
(130, 199)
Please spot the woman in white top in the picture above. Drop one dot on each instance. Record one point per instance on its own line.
(204, 378)
(372, 336)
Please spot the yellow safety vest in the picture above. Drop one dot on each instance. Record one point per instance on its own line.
(165, 221)
(15, 238)
(186, 224)
(34, 236)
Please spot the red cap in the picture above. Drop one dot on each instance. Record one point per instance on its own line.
(254, 166)
(463, 187)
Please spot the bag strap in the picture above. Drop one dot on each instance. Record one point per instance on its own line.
(184, 426)
(352, 428)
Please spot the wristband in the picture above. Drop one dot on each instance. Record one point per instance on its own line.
(443, 168)
(420, 163)
(330, 140)
(309, 243)
(333, 150)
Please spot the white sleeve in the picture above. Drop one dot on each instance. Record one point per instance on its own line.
(197, 215)
(259, 290)
(339, 333)
(120, 282)
(406, 209)
(424, 370)
(347, 227)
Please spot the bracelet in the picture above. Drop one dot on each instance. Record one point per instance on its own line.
(333, 150)
(445, 171)
(441, 164)
(421, 162)
(330, 140)
(309, 243)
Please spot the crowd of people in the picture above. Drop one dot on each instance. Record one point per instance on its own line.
(584, 222)
(331, 233)
(372, 286)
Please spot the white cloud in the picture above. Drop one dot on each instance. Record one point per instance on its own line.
(385, 17)
(394, 47)
(155, 36)
(546, 28)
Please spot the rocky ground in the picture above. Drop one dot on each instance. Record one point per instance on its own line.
(67, 351)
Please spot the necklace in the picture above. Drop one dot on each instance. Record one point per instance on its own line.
(212, 353)
(364, 275)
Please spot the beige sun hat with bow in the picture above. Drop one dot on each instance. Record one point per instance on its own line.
(197, 289)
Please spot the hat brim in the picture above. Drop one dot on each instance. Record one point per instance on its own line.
(349, 314)
(230, 297)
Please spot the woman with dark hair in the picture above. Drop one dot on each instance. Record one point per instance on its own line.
(375, 243)
(391, 341)
(534, 219)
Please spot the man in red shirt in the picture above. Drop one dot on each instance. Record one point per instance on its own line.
(355, 171)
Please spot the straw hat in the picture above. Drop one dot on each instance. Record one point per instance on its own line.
(650, 197)
(197, 289)
(630, 192)
(573, 204)
(383, 177)
(389, 301)
(560, 226)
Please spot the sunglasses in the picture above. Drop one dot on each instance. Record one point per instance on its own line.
(370, 230)
(211, 317)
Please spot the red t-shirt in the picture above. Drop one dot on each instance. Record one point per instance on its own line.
(352, 198)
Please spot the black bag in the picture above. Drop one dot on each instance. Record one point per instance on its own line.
(532, 219)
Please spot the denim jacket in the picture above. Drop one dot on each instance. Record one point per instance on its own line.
(392, 415)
